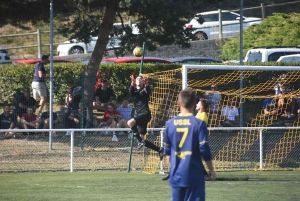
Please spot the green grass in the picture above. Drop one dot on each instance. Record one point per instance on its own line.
(234, 186)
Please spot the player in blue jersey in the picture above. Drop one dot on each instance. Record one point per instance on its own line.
(140, 93)
(186, 144)
(201, 107)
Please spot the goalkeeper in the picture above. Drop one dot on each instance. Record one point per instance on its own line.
(141, 95)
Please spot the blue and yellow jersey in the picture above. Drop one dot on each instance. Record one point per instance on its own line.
(202, 116)
(185, 141)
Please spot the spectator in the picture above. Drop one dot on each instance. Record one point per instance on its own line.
(25, 101)
(231, 113)
(44, 120)
(103, 96)
(213, 98)
(113, 119)
(69, 100)
(30, 120)
(38, 83)
(285, 102)
(270, 107)
(125, 110)
(7, 121)
(74, 119)
(98, 81)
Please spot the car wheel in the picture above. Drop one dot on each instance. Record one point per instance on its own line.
(76, 50)
(200, 36)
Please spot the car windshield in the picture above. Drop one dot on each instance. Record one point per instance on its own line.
(254, 57)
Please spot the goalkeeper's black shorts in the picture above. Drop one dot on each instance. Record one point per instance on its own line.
(142, 122)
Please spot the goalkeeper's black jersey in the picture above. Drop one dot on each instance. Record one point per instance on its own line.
(140, 98)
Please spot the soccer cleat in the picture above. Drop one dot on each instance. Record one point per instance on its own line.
(166, 177)
(140, 145)
(161, 153)
(114, 138)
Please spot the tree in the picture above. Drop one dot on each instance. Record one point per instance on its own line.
(159, 23)
(277, 30)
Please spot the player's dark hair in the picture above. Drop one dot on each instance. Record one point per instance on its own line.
(204, 103)
(45, 57)
(111, 105)
(187, 98)
(6, 104)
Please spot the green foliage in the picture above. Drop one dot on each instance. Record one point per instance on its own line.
(277, 30)
(15, 78)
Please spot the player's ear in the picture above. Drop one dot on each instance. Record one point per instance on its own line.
(179, 104)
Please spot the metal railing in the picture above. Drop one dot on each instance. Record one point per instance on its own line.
(93, 149)
(38, 33)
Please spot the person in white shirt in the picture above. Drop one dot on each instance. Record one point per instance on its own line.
(231, 113)
(125, 110)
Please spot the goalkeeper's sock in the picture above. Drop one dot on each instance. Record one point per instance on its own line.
(134, 129)
(152, 146)
(138, 137)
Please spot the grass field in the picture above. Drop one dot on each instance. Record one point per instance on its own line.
(108, 186)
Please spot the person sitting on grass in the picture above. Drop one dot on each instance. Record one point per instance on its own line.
(7, 121)
(30, 120)
(45, 120)
(113, 119)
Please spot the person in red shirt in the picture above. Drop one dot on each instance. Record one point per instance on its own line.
(113, 119)
(30, 120)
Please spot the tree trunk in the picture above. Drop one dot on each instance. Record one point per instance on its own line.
(96, 57)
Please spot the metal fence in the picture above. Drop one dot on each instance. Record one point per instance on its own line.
(94, 150)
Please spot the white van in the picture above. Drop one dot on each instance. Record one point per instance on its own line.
(265, 54)
(4, 56)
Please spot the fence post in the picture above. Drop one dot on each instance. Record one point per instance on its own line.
(72, 152)
(39, 40)
(220, 24)
(260, 149)
(262, 10)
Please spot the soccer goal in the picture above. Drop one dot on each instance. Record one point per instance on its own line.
(253, 122)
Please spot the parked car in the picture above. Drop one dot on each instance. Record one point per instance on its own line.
(210, 27)
(34, 61)
(193, 60)
(289, 58)
(264, 54)
(4, 56)
(76, 47)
